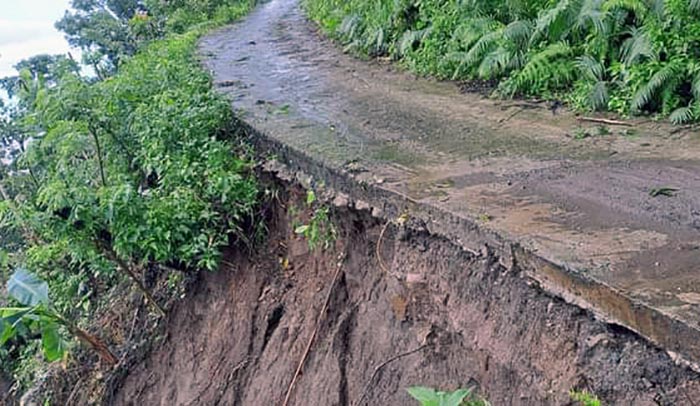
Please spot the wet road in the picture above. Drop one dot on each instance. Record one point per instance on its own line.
(510, 169)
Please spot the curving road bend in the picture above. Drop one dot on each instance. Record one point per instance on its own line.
(581, 208)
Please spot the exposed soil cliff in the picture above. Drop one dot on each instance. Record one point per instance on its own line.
(428, 314)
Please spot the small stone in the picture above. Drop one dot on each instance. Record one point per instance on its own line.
(361, 205)
(414, 278)
(377, 212)
(341, 200)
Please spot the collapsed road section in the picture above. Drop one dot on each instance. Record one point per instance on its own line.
(578, 218)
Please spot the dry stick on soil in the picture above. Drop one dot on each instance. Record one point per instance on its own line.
(605, 121)
(382, 365)
(313, 335)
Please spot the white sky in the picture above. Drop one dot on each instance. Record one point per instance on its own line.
(27, 28)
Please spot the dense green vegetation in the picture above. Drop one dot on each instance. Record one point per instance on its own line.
(628, 56)
(107, 176)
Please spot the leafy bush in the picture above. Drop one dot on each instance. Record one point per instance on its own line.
(627, 56)
(111, 176)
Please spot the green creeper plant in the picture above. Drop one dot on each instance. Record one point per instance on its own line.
(431, 397)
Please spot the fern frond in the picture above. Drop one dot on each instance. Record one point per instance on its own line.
(645, 93)
(638, 45)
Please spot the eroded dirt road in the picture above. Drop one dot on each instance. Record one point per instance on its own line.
(510, 169)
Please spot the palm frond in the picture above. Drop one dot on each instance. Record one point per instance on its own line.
(548, 66)
(638, 7)
(646, 92)
(410, 39)
(350, 26)
(519, 31)
(494, 63)
(695, 88)
(598, 96)
(591, 14)
(694, 5)
(552, 22)
(658, 7)
(635, 47)
(485, 44)
(682, 115)
(592, 69)
(471, 30)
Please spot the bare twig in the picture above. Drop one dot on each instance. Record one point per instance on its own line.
(313, 335)
(605, 121)
(108, 252)
(382, 365)
(511, 115)
(127, 269)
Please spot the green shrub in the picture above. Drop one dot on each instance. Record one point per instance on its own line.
(120, 175)
(627, 56)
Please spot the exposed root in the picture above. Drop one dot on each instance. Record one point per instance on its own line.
(302, 361)
(379, 248)
(382, 365)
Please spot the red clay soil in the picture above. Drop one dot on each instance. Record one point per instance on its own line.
(238, 338)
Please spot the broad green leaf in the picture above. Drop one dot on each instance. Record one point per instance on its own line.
(28, 289)
(14, 315)
(455, 398)
(426, 396)
(6, 331)
(10, 319)
(310, 197)
(52, 343)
